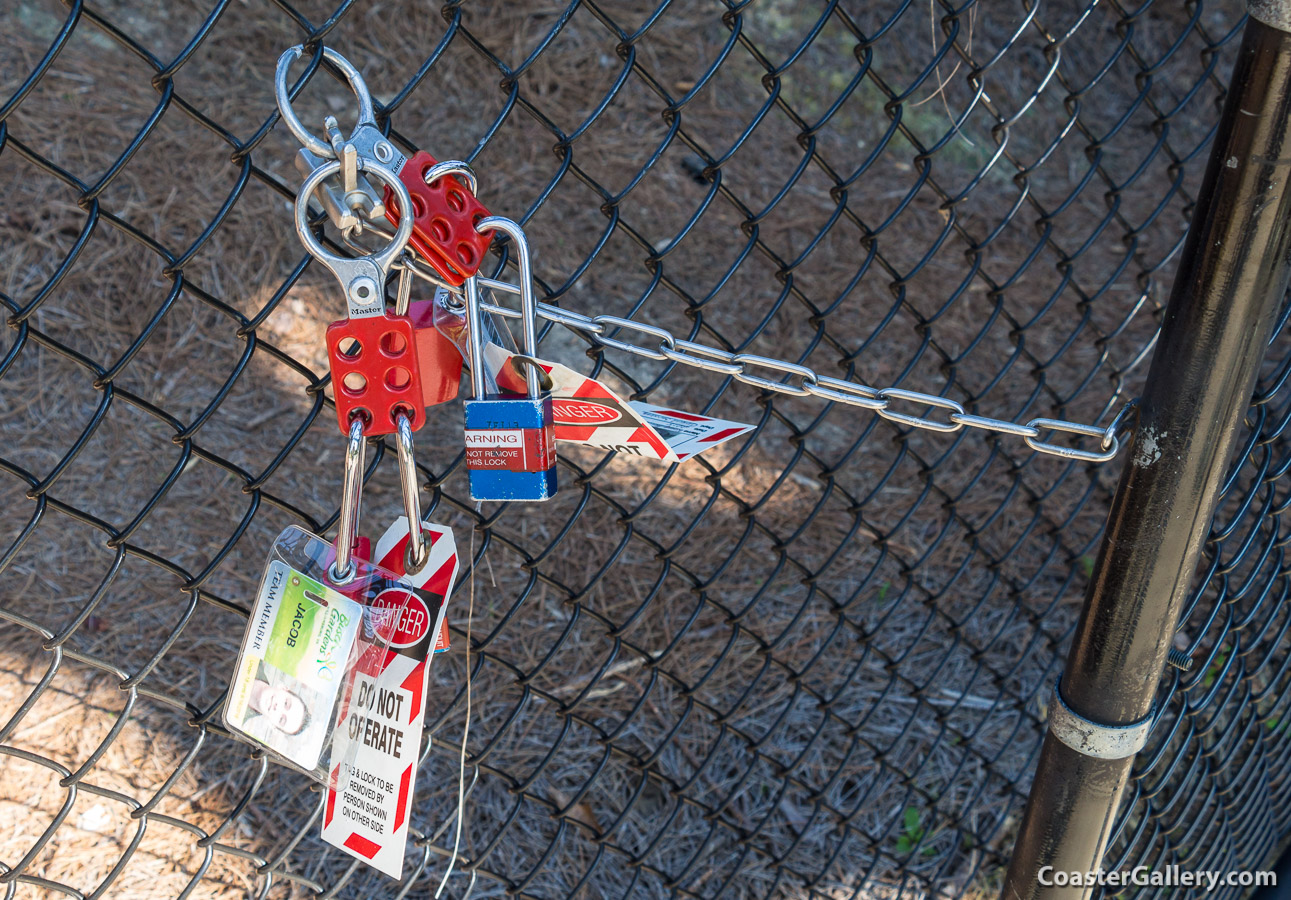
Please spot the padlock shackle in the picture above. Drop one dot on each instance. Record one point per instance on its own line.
(342, 569)
(528, 305)
(363, 278)
(416, 554)
(367, 114)
(474, 338)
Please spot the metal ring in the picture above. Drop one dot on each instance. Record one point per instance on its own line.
(1090, 738)
(410, 261)
(403, 297)
(495, 284)
(354, 273)
(342, 568)
(367, 115)
(410, 491)
(1113, 430)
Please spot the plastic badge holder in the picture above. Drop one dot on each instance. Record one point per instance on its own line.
(313, 647)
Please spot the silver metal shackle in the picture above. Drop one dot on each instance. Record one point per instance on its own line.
(474, 338)
(342, 569)
(528, 309)
(415, 557)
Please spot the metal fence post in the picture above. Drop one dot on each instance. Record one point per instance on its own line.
(1231, 280)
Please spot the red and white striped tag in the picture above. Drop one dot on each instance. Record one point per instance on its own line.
(585, 411)
(375, 750)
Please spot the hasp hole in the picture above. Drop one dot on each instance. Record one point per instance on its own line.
(354, 383)
(360, 413)
(393, 344)
(400, 409)
(398, 378)
(425, 171)
(456, 201)
(418, 207)
(466, 253)
(441, 230)
(349, 347)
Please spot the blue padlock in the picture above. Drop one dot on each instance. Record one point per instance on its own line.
(510, 439)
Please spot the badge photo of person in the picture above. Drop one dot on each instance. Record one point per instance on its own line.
(274, 704)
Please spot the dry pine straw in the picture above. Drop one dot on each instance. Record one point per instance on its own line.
(925, 565)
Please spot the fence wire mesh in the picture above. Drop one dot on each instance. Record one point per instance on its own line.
(814, 664)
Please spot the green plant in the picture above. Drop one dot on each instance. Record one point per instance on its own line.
(912, 832)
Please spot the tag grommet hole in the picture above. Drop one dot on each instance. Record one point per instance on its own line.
(341, 578)
(413, 566)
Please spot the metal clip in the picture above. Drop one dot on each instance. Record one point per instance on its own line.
(366, 137)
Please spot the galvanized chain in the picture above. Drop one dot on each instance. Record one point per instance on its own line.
(800, 380)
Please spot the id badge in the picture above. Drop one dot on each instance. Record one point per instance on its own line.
(306, 643)
(300, 644)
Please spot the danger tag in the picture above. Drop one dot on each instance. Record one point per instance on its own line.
(378, 734)
(587, 412)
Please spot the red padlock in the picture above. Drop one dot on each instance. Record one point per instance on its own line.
(438, 357)
(375, 372)
(444, 218)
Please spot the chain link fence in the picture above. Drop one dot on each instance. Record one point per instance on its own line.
(814, 663)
